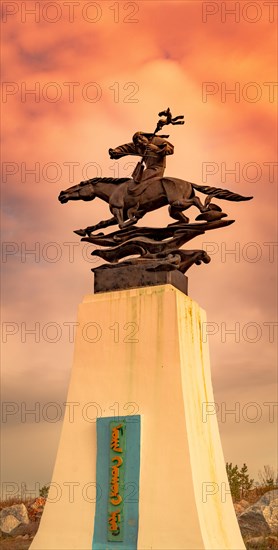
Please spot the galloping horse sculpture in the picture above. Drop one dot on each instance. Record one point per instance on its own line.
(131, 198)
(139, 256)
(128, 208)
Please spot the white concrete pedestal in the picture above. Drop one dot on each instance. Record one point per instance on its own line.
(140, 351)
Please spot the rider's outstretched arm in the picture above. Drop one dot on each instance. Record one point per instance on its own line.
(122, 150)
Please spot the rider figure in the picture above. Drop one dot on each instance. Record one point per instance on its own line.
(153, 149)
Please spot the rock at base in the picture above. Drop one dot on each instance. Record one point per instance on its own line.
(252, 523)
(9, 523)
(259, 543)
(262, 517)
(12, 516)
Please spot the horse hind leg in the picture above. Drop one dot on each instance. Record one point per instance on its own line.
(176, 214)
(202, 207)
(183, 204)
(177, 206)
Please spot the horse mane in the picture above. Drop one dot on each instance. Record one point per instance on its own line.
(117, 181)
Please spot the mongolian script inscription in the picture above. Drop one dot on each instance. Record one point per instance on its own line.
(116, 481)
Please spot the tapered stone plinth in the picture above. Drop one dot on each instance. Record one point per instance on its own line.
(140, 352)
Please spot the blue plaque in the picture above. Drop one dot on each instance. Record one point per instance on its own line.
(118, 469)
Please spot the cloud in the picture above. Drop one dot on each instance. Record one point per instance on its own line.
(138, 69)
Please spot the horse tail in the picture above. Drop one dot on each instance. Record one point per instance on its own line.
(220, 193)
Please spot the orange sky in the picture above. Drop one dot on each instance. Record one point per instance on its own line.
(98, 79)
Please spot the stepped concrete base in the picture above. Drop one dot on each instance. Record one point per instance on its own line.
(140, 351)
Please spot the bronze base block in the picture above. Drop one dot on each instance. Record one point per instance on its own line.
(121, 278)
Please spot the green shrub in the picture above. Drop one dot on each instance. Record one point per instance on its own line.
(44, 491)
(239, 480)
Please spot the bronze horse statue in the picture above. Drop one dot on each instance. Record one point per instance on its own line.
(128, 201)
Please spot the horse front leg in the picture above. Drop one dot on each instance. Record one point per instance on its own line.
(88, 230)
(118, 214)
(133, 215)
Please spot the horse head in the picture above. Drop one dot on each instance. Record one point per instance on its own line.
(83, 191)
